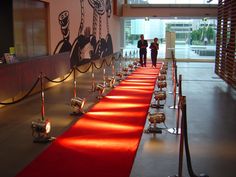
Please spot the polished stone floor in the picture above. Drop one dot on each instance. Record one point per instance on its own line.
(211, 113)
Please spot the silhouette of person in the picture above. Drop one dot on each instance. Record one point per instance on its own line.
(154, 51)
(142, 45)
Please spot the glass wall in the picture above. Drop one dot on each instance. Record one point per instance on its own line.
(194, 38)
(173, 2)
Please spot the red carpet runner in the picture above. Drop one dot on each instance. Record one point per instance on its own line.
(103, 143)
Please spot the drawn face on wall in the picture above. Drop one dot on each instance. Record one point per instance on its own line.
(64, 22)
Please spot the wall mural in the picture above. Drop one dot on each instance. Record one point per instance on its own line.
(87, 46)
(64, 45)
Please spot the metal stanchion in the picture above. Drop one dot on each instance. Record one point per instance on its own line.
(41, 128)
(174, 73)
(174, 89)
(93, 80)
(42, 98)
(181, 147)
(74, 81)
(113, 69)
(178, 111)
(177, 130)
(184, 143)
(104, 76)
(76, 103)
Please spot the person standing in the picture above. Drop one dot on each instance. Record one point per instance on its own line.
(154, 51)
(142, 45)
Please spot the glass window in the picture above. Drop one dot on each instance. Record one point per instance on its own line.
(172, 2)
(194, 38)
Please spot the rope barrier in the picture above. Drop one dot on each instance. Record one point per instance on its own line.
(114, 58)
(100, 66)
(85, 70)
(71, 71)
(184, 143)
(50, 80)
(27, 94)
(107, 63)
(185, 135)
(120, 57)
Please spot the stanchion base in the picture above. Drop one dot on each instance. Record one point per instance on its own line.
(173, 176)
(174, 131)
(153, 130)
(173, 107)
(43, 139)
(160, 106)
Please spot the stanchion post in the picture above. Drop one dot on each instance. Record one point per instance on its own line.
(42, 97)
(184, 143)
(173, 66)
(181, 146)
(176, 75)
(93, 79)
(177, 130)
(74, 81)
(113, 69)
(174, 91)
(120, 66)
(178, 111)
(104, 76)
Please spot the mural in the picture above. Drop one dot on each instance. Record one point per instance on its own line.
(90, 44)
(64, 44)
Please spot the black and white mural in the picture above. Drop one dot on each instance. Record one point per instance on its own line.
(64, 45)
(90, 43)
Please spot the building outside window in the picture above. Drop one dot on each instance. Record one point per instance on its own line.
(195, 38)
(173, 2)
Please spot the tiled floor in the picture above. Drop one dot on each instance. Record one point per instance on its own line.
(211, 113)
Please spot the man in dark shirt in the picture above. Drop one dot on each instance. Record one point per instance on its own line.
(142, 45)
(154, 51)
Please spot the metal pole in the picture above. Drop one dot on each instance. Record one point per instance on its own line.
(42, 97)
(178, 112)
(93, 79)
(181, 144)
(113, 69)
(104, 76)
(174, 95)
(74, 83)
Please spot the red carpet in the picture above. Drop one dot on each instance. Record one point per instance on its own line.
(103, 143)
